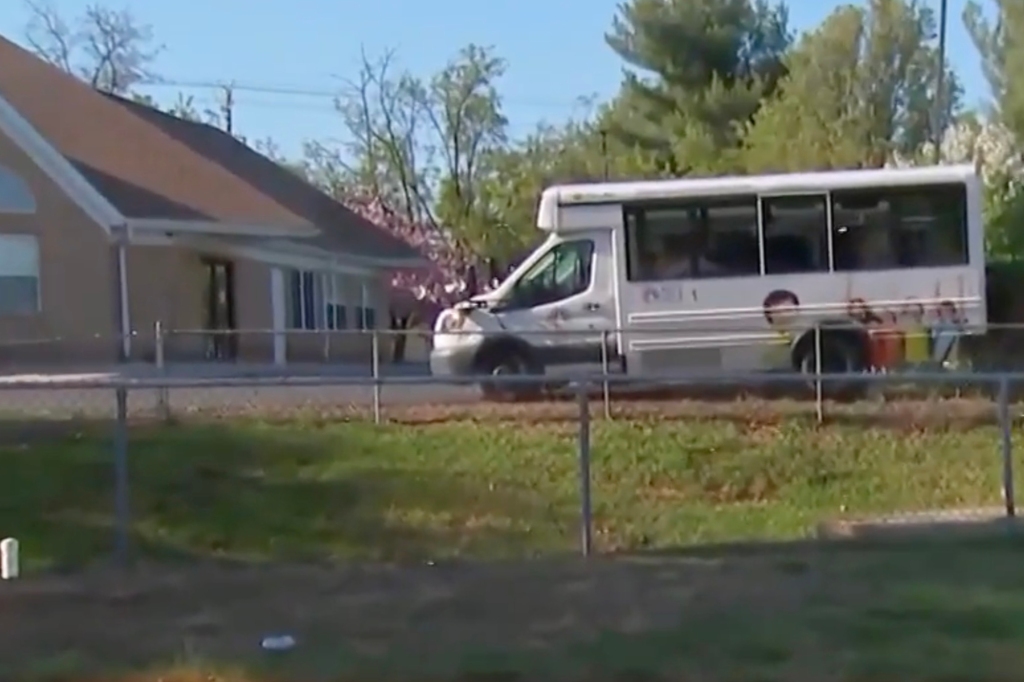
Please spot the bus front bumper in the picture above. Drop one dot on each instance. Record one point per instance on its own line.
(453, 361)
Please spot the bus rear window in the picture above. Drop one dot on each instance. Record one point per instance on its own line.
(900, 227)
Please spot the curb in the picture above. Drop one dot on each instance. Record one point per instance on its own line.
(938, 524)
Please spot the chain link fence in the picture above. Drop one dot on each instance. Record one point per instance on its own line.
(654, 474)
(385, 354)
(150, 456)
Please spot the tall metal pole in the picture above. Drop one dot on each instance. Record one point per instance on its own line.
(1006, 426)
(227, 109)
(604, 151)
(122, 512)
(939, 115)
(586, 507)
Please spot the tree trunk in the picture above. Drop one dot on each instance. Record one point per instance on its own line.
(400, 324)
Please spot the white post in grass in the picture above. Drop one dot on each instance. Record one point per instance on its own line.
(9, 562)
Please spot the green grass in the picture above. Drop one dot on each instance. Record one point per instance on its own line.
(310, 489)
(299, 490)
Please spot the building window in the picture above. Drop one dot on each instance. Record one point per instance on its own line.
(19, 274)
(366, 318)
(303, 297)
(337, 316)
(328, 301)
(335, 309)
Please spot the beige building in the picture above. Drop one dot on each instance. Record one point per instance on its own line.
(119, 217)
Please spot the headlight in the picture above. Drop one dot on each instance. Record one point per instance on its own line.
(450, 321)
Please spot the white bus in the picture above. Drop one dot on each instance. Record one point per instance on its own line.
(734, 274)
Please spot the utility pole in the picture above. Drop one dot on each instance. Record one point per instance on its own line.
(940, 107)
(604, 151)
(227, 109)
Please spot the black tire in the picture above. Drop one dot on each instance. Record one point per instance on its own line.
(507, 362)
(841, 353)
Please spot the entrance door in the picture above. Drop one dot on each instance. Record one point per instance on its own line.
(222, 343)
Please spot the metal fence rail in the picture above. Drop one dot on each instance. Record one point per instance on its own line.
(996, 345)
(176, 353)
(368, 352)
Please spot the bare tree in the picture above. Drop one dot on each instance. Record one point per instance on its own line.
(464, 108)
(107, 48)
(421, 143)
(384, 115)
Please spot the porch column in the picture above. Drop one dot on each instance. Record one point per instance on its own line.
(277, 315)
(123, 300)
(364, 302)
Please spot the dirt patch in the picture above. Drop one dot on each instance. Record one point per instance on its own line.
(906, 414)
(759, 416)
(702, 611)
(217, 613)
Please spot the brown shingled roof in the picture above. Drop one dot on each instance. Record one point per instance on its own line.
(152, 165)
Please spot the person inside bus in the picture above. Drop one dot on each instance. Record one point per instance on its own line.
(876, 252)
(782, 312)
(677, 264)
(671, 266)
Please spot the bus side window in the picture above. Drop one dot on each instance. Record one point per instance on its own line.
(932, 222)
(702, 238)
(795, 234)
(900, 227)
(862, 232)
(564, 271)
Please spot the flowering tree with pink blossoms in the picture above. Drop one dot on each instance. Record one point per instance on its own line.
(448, 275)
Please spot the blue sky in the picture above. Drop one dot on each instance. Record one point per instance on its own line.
(555, 50)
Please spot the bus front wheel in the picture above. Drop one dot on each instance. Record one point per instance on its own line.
(501, 362)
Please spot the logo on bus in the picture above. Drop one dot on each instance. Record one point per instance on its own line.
(665, 293)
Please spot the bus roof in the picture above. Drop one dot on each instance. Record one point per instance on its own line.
(653, 190)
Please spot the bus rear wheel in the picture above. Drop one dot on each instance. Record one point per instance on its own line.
(840, 354)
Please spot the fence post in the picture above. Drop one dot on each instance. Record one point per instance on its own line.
(606, 391)
(163, 397)
(122, 519)
(375, 360)
(819, 402)
(1005, 426)
(586, 521)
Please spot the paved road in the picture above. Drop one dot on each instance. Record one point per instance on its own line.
(39, 401)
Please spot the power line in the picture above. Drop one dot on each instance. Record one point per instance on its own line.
(228, 110)
(246, 103)
(315, 93)
(242, 87)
